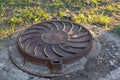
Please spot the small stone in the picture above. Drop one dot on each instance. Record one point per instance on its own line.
(116, 54)
(112, 46)
(87, 2)
(10, 48)
(100, 57)
(111, 62)
(96, 74)
(67, 76)
(67, 10)
(114, 60)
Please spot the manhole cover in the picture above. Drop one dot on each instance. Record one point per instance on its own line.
(54, 43)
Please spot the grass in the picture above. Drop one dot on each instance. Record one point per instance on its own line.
(92, 19)
(117, 29)
(15, 13)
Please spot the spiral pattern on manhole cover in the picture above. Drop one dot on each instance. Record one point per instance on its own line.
(55, 39)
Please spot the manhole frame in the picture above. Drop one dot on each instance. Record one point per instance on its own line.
(56, 65)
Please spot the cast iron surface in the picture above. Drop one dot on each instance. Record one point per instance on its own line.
(54, 43)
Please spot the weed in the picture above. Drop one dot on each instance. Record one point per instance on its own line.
(111, 8)
(5, 32)
(16, 20)
(80, 18)
(101, 19)
(62, 14)
(94, 2)
(92, 19)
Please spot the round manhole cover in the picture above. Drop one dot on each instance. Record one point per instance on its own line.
(54, 43)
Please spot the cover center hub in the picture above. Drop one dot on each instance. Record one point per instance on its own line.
(54, 37)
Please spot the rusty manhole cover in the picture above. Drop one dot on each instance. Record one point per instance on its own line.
(54, 43)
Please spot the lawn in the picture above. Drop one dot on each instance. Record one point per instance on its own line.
(16, 13)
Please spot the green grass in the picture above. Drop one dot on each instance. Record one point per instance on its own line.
(92, 19)
(117, 29)
(15, 13)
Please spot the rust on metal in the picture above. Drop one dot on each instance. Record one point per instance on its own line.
(54, 43)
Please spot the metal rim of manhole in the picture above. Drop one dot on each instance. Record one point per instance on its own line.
(54, 43)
